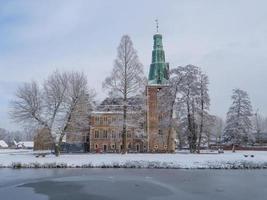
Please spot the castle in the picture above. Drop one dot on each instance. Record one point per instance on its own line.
(144, 133)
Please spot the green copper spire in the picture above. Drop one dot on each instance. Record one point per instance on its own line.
(159, 69)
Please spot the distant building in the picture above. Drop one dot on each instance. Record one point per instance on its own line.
(43, 140)
(3, 144)
(77, 141)
(25, 145)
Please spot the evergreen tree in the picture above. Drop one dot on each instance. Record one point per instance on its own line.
(238, 123)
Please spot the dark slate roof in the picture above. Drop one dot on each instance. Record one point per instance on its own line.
(116, 104)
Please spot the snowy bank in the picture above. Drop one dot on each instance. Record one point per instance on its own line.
(228, 160)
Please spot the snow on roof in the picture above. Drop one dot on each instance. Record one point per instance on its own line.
(3, 144)
(28, 144)
(111, 112)
(106, 112)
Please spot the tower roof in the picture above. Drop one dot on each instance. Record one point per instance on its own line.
(159, 69)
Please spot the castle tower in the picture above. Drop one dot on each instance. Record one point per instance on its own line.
(158, 78)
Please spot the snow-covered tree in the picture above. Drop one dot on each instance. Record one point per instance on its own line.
(238, 123)
(186, 100)
(205, 119)
(62, 103)
(167, 99)
(126, 79)
(190, 95)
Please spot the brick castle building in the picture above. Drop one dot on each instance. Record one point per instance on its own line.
(105, 134)
(144, 130)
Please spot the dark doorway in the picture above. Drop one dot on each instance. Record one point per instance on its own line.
(138, 148)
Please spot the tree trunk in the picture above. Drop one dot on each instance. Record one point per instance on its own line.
(201, 124)
(124, 129)
(193, 130)
(169, 136)
(58, 145)
(57, 150)
(233, 149)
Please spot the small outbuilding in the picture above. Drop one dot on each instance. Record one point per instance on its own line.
(43, 140)
(3, 144)
(25, 145)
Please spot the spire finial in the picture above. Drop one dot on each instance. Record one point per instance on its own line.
(157, 25)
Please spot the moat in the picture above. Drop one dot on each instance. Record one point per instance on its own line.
(131, 184)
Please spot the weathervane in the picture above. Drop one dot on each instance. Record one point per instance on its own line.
(157, 25)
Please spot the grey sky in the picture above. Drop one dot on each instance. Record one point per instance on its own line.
(227, 39)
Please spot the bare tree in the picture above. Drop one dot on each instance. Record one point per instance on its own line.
(126, 78)
(63, 103)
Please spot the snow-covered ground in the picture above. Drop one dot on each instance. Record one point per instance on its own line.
(228, 160)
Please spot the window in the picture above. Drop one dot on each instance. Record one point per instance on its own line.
(101, 120)
(96, 134)
(129, 146)
(109, 120)
(96, 146)
(165, 146)
(160, 132)
(97, 120)
(105, 120)
(113, 146)
(105, 134)
(113, 134)
(156, 146)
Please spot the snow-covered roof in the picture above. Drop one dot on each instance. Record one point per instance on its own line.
(116, 104)
(106, 112)
(28, 144)
(3, 144)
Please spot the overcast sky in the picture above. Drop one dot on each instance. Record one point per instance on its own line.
(227, 39)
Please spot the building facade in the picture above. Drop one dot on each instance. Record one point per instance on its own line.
(106, 134)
